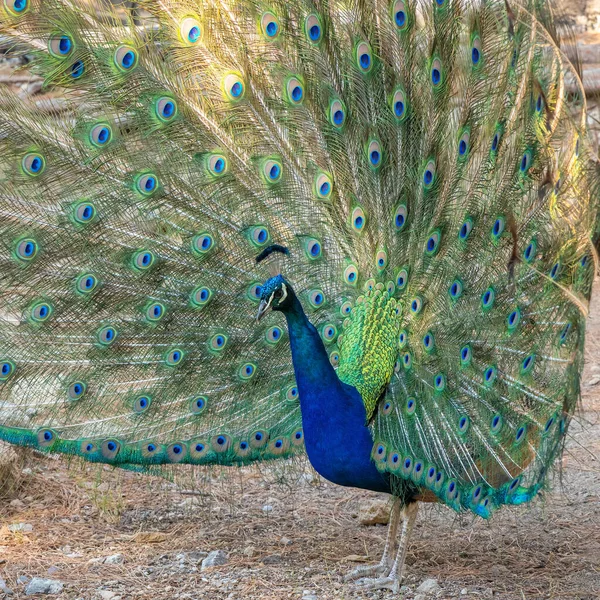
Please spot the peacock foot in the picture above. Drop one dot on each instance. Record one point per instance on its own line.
(381, 583)
(365, 571)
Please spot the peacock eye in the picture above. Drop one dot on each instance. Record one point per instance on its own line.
(278, 294)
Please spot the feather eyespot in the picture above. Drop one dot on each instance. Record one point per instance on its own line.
(555, 270)
(234, 88)
(346, 308)
(174, 357)
(400, 15)
(313, 249)
(190, 31)
(463, 424)
(381, 260)
(60, 45)
(177, 452)
(437, 74)
(539, 103)
(84, 212)
(274, 334)
(259, 235)
(165, 109)
(498, 228)
(513, 319)
(46, 437)
(334, 358)
(201, 296)
(364, 57)
(466, 355)
(411, 406)
(272, 171)
(292, 393)
(107, 335)
(33, 164)
(402, 279)
(126, 58)
(476, 51)
(198, 404)
(77, 70)
(527, 363)
(428, 342)
(456, 289)
(525, 162)
(100, 135)
(374, 154)
(247, 371)
(16, 7)
(489, 375)
(400, 216)
(429, 174)
(316, 298)
(403, 338)
(351, 275)
(358, 219)
(27, 249)
(416, 305)
(269, 25)
(217, 342)
(7, 368)
(143, 260)
(86, 283)
(565, 333)
(216, 164)
(328, 332)
(295, 90)
(202, 243)
(407, 360)
(76, 390)
(221, 443)
(146, 184)
(433, 243)
(313, 28)
(155, 312)
(487, 298)
(141, 404)
(337, 113)
(496, 424)
(323, 186)
(465, 229)
(520, 435)
(463, 145)
(298, 437)
(407, 465)
(399, 104)
(41, 311)
(439, 382)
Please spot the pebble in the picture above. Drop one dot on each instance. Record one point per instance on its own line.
(307, 595)
(429, 586)
(43, 586)
(272, 559)
(114, 559)
(250, 551)
(375, 513)
(464, 592)
(22, 527)
(214, 559)
(107, 595)
(267, 508)
(420, 597)
(285, 541)
(4, 588)
(23, 579)
(16, 503)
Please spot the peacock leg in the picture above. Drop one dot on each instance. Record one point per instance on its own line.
(386, 560)
(393, 580)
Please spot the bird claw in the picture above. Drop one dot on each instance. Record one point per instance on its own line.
(381, 583)
(365, 571)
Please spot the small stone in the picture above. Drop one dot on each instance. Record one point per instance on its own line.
(53, 570)
(23, 579)
(4, 588)
(464, 592)
(499, 570)
(267, 508)
(215, 558)
(107, 594)
(272, 559)
(420, 597)
(16, 503)
(250, 551)
(20, 527)
(43, 586)
(429, 586)
(377, 512)
(488, 593)
(285, 541)
(595, 380)
(114, 559)
(308, 596)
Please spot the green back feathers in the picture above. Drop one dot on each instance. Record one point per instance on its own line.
(423, 155)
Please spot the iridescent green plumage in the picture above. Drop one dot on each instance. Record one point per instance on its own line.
(423, 163)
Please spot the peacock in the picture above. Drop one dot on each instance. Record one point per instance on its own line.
(249, 229)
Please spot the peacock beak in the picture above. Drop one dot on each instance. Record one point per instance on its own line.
(263, 307)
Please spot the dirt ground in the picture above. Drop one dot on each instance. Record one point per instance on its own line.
(288, 534)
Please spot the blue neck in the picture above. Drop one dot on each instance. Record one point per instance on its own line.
(338, 442)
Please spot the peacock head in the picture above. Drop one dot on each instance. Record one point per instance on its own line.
(276, 294)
